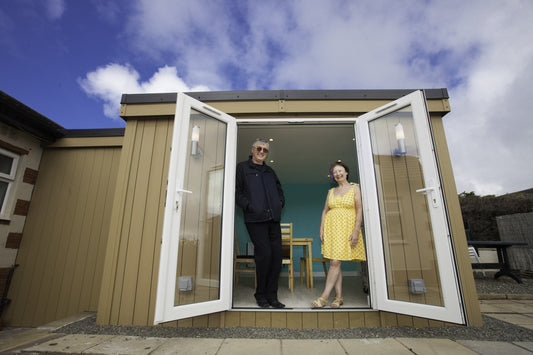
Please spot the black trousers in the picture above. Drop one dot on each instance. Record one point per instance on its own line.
(266, 237)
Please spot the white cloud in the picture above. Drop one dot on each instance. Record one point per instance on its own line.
(108, 83)
(480, 50)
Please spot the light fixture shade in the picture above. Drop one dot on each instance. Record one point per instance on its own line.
(399, 131)
(400, 138)
(195, 137)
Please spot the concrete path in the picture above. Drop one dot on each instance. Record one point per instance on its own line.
(42, 340)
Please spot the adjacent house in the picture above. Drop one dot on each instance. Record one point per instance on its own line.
(140, 224)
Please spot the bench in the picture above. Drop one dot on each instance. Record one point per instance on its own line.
(503, 258)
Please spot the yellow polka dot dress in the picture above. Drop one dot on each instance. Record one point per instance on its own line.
(338, 226)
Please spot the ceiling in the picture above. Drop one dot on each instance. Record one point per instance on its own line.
(301, 153)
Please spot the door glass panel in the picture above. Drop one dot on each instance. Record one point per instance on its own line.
(198, 269)
(408, 243)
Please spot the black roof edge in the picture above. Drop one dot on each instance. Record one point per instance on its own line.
(265, 95)
(20, 116)
(94, 132)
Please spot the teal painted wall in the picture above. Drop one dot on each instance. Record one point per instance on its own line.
(303, 207)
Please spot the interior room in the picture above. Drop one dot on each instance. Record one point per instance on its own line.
(301, 154)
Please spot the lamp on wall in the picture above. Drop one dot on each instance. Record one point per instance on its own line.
(195, 137)
(400, 138)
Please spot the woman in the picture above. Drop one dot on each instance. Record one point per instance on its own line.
(340, 231)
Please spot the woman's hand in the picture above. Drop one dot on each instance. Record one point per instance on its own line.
(321, 236)
(354, 238)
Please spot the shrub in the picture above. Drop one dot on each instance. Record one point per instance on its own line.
(479, 212)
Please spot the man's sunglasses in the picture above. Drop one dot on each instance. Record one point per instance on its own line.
(259, 149)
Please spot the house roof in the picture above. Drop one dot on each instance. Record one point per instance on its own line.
(94, 132)
(18, 115)
(259, 95)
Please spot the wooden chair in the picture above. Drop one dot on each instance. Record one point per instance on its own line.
(303, 266)
(286, 246)
(240, 259)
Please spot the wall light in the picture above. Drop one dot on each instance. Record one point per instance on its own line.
(400, 138)
(195, 137)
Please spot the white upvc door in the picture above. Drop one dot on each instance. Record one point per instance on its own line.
(196, 250)
(410, 251)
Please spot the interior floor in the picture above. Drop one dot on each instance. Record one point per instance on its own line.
(301, 298)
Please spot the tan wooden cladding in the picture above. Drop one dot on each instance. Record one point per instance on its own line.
(61, 254)
(85, 142)
(464, 266)
(93, 234)
(131, 265)
(305, 320)
(132, 261)
(274, 107)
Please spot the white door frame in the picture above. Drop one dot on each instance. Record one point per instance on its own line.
(452, 311)
(165, 309)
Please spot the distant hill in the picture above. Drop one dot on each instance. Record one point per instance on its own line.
(523, 192)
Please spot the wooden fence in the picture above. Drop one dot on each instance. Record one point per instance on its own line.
(518, 227)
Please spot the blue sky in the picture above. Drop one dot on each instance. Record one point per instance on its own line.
(71, 60)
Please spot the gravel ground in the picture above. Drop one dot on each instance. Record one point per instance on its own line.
(492, 329)
(502, 285)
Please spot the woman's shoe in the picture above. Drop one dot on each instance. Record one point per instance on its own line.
(337, 302)
(319, 302)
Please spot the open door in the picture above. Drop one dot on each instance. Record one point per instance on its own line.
(196, 250)
(410, 253)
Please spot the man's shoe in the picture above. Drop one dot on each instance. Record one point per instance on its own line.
(276, 304)
(263, 303)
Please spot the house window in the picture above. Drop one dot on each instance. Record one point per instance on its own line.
(8, 169)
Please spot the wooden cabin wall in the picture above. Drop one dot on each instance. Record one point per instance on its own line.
(464, 266)
(129, 281)
(132, 261)
(305, 320)
(64, 239)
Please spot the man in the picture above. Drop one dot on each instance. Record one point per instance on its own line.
(258, 192)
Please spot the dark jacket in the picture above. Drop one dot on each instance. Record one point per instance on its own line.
(258, 191)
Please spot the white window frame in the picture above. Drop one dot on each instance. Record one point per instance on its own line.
(9, 179)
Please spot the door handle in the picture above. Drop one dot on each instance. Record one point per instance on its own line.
(186, 191)
(434, 193)
(180, 191)
(427, 189)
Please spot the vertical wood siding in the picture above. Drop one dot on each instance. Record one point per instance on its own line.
(464, 266)
(65, 236)
(305, 320)
(132, 261)
(93, 234)
(131, 266)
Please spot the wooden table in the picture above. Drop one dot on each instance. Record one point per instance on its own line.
(503, 258)
(306, 243)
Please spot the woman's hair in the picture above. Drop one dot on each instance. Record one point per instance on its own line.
(339, 163)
